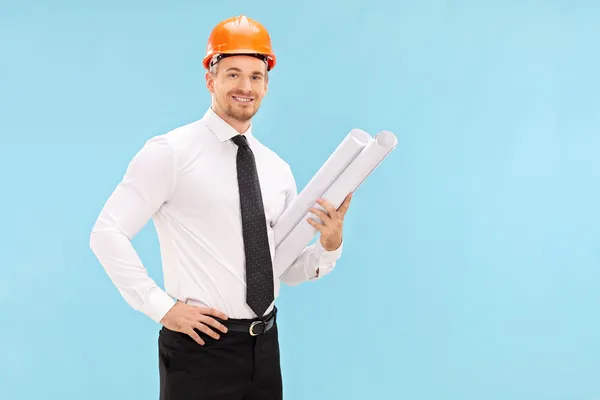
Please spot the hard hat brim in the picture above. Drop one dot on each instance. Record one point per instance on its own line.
(269, 57)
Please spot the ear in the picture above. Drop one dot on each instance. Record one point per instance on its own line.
(266, 84)
(210, 82)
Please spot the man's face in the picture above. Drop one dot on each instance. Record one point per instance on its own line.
(239, 86)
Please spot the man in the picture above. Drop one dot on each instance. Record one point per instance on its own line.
(214, 193)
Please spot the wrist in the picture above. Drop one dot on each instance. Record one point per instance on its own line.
(331, 245)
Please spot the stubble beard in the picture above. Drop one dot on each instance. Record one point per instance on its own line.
(239, 114)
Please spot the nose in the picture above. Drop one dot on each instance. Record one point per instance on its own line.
(246, 85)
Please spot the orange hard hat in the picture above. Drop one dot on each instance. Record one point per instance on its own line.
(239, 35)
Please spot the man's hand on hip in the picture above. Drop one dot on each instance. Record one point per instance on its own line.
(185, 318)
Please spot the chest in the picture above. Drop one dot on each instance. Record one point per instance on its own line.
(207, 187)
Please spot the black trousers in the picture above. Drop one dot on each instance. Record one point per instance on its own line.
(237, 366)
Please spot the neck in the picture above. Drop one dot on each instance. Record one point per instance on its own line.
(239, 126)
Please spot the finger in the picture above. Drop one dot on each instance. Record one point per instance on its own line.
(214, 323)
(321, 214)
(212, 311)
(315, 224)
(195, 336)
(207, 330)
(345, 205)
(327, 206)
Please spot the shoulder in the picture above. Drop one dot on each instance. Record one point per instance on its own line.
(279, 167)
(168, 147)
(181, 137)
(274, 159)
(181, 141)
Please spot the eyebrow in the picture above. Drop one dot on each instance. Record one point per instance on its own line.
(239, 70)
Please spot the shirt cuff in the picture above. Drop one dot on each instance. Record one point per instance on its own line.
(157, 304)
(326, 259)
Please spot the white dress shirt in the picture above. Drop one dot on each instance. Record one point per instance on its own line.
(186, 181)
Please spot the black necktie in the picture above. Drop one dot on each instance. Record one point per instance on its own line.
(259, 268)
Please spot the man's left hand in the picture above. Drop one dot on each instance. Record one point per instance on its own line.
(333, 222)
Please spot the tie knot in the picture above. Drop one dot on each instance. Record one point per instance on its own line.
(240, 140)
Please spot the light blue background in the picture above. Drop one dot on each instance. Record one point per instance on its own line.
(471, 268)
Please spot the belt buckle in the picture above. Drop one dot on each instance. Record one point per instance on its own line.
(251, 330)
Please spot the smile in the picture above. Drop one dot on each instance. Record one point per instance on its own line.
(242, 99)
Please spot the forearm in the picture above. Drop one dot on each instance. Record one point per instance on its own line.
(313, 263)
(125, 269)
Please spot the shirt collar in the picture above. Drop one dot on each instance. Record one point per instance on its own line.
(221, 129)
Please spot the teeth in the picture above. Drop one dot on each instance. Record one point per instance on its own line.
(242, 99)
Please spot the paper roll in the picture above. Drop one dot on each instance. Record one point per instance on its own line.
(348, 181)
(339, 160)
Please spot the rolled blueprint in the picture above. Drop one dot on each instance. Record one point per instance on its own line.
(349, 180)
(348, 149)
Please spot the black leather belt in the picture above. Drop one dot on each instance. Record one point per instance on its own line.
(253, 327)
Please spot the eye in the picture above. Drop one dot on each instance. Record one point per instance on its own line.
(257, 77)
(232, 75)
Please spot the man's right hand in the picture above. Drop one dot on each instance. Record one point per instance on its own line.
(185, 318)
